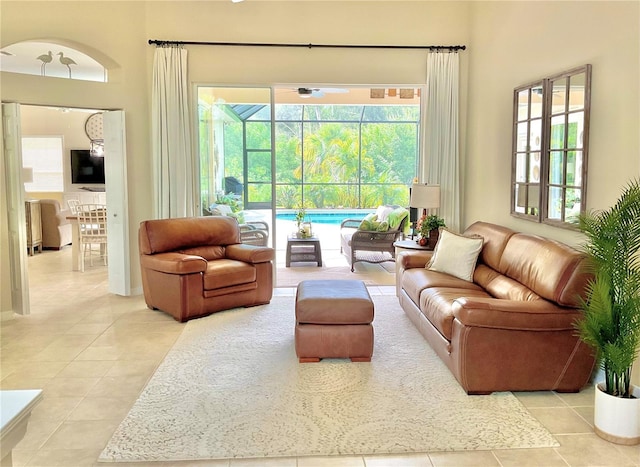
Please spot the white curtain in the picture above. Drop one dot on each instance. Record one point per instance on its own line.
(440, 143)
(171, 135)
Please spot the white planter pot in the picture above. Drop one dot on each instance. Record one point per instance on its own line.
(617, 419)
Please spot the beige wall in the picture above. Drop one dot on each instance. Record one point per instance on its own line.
(515, 43)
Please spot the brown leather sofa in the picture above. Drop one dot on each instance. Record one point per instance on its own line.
(512, 328)
(192, 267)
(57, 230)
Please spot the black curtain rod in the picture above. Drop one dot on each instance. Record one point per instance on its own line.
(453, 48)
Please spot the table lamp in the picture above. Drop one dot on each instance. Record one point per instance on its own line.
(425, 197)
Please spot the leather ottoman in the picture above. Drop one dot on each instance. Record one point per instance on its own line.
(333, 320)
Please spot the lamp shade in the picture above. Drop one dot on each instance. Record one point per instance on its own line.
(425, 196)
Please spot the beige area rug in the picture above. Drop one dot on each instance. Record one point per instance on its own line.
(369, 273)
(232, 387)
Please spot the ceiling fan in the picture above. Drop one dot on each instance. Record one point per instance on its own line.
(319, 92)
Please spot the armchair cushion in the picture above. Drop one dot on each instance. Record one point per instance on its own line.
(228, 272)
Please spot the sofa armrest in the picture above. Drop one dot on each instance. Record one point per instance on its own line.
(535, 315)
(174, 263)
(414, 259)
(250, 253)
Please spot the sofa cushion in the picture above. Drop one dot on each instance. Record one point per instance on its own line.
(553, 270)
(501, 286)
(415, 280)
(495, 240)
(456, 255)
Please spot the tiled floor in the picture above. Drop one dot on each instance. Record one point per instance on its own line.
(93, 352)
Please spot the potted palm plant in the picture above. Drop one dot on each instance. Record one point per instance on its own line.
(611, 323)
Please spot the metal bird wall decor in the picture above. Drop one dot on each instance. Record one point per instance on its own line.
(67, 62)
(44, 58)
(48, 58)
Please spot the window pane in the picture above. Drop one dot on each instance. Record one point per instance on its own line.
(331, 153)
(259, 166)
(534, 167)
(556, 167)
(263, 114)
(574, 168)
(536, 134)
(523, 132)
(389, 152)
(258, 135)
(572, 205)
(288, 112)
(576, 91)
(558, 97)
(44, 156)
(288, 196)
(523, 105)
(332, 112)
(521, 167)
(391, 113)
(288, 156)
(554, 206)
(557, 132)
(536, 101)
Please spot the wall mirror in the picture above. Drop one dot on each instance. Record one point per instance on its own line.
(550, 142)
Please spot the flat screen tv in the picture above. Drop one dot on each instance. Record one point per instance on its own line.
(86, 168)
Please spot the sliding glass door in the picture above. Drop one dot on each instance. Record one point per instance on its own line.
(236, 157)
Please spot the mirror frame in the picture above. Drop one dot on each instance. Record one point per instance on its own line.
(535, 107)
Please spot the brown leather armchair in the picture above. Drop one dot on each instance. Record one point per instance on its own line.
(195, 266)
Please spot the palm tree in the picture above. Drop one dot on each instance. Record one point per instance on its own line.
(611, 323)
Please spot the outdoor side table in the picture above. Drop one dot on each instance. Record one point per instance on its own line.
(303, 249)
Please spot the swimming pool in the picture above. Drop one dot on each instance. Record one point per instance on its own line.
(324, 216)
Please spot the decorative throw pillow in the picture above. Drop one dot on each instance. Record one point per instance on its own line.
(396, 217)
(383, 213)
(381, 226)
(456, 254)
(367, 222)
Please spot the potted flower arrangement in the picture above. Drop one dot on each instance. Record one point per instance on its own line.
(611, 322)
(303, 229)
(428, 227)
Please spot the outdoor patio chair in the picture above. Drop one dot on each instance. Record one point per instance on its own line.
(359, 242)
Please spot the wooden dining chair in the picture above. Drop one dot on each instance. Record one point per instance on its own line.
(92, 222)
